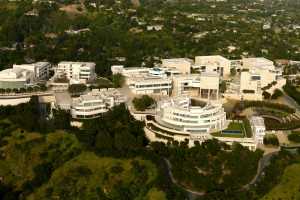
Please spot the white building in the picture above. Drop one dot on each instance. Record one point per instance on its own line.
(204, 85)
(145, 84)
(77, 72)
(179, 113)
(15, 78)
(39, 69)
(260, 62)
(257, 75)
(117, 69)
(258, 129)
(214, 63)
(93, 104)
(155, 27)
(146, 80)
(177, 119)
(183, 65)
(128, 71)
(250, 86)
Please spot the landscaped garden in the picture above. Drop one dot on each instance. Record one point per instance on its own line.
(264, 105)
(234, 129)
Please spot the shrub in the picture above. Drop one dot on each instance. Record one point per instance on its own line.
(118, 80)
(271, 140)
(266, 95)
(277, 93)
(247, 104)
(248, 91)
(294, 136)
(247, 127)
(143, 103)
(275, 125)
(232, 72)
(77, 88)
(292, 92)
(223, 87)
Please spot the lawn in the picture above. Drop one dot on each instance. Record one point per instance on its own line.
(289, 186)
(233, 126)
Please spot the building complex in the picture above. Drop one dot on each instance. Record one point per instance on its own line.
(214, 63)
(182, 119)
(95, 103)
(76, 72)
(20, 76)
(256, 76)
(203, 86)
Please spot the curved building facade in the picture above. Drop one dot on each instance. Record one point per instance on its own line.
(93, 104)
(180, 114)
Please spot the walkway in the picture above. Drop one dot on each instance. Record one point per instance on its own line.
(262, 164)
(192, 193)
(24, 95)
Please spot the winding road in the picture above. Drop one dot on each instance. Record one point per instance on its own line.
(262, 164)
(192, 193)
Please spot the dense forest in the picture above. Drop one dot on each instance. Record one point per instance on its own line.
(117, 32)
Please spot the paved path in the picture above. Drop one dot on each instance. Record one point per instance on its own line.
(24, 95)
(192, 193)
(262, 164)
(290, 101)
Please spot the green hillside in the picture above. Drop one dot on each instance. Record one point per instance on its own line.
(24, 154)
(88, 176)
(289, 186)
(55, 166)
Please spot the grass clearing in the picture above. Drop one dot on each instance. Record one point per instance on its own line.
(23, 152)
(289, 186)
(90, 173)
(237, 129)
(155, 194)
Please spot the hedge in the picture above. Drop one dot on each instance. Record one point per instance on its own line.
(292, 92)
(271, 140)
(294, 136)
(247, 104)
(275, 125)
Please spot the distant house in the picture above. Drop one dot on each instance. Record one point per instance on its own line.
(155, 27)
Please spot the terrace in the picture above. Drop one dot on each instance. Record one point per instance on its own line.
(235, 129)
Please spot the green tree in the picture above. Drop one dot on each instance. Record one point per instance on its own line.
(232, 72)
(277, 93)
(118, 80)
(223, 86)
(266, 95)
(271, 140)
(76, 89)
(294, 136)
(141, 104)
